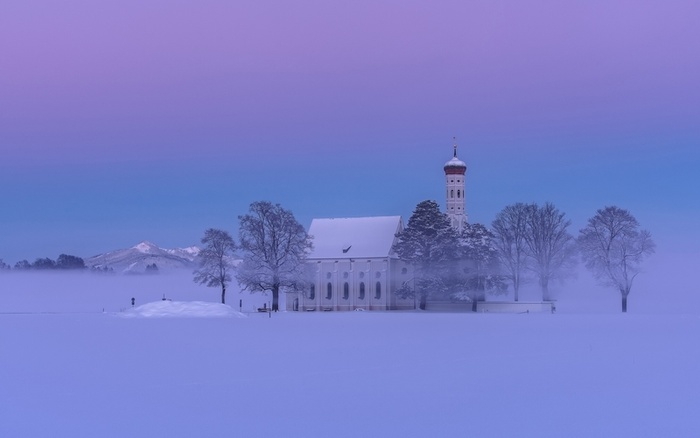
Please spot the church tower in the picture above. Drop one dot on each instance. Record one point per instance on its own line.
(455, 172)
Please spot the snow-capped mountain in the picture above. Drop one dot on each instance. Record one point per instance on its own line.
(134, 260)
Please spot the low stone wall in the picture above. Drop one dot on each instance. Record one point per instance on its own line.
(335, 308)
(515, 307)
(448, 306)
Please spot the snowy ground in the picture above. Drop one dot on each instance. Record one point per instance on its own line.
(68, 369)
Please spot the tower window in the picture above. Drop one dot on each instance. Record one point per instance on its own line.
(362, 291)
(346, 291)
(329, 291)
(459, 193)
(452, 193)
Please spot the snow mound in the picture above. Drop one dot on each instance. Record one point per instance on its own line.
(182, 309)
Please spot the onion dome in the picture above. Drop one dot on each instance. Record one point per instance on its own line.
(455, 166)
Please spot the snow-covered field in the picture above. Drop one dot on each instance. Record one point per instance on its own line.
(77, 361)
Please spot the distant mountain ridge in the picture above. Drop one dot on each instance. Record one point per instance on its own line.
(134, 260)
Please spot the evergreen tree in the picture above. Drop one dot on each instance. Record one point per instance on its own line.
(23, 265)
(101, 270)
(65, 261)
(429, 244)
(480, 263)
(43, 264)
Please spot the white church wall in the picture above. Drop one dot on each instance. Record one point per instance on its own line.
(370, 286)
(401, 273)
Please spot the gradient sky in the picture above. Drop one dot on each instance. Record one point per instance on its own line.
(131, 120)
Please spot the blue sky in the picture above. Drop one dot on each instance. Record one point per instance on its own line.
(129, 121)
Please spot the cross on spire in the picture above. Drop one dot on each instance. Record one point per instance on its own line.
(454, 139)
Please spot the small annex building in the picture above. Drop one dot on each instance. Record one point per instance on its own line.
(352, 266)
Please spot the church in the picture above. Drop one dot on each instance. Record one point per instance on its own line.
(352, 264)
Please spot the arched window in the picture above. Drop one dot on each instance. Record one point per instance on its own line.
(362, 291)
(459, 193)
(346, 291)
(329, 291)
(378, 291)
(452, 193)
(312, 292)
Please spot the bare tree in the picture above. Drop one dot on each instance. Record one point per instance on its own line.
(275, 248)
(509, 229)
(613, 248)
(215, 260)
(550, 247)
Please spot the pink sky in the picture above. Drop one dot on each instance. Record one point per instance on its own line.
(323, 93)
(86, 79)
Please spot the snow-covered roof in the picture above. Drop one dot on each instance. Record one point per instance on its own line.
(356, 237)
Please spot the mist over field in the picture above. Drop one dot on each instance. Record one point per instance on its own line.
(72, 365)
(665, 286)
(97, 292)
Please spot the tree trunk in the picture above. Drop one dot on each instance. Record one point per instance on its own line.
(515, 292)
(275, 298)
(223, 295)
(474, 305)
(544, 283)
(624, 304)
(422, 302)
